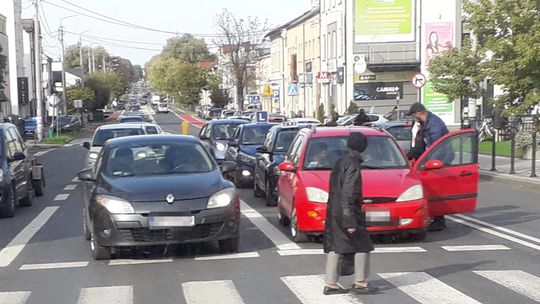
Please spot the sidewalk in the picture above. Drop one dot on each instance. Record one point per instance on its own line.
(522, 169)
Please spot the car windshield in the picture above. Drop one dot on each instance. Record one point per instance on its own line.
(163, 105)
(284, 140)
(381, 153)
(132, 119)
(157, 159)
(401, 132)
(103, 135)
(224, 131)
(255, 135)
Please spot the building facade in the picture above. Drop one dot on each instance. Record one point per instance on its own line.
(4, 70)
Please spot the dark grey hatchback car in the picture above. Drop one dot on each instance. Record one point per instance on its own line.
(158, 190)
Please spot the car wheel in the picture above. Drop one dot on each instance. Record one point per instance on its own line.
(11, 201)
(86, 231)
(229, 245)
(297, 235)
(99, 252)
(419, 236)
(26, 201)
(271, 200)
(257, 192)
(39, 185)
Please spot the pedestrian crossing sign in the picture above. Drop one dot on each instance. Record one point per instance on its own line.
(292, 90)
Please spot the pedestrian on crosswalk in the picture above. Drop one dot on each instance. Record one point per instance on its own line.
(345, 227)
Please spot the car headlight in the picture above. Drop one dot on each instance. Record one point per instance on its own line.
(317, 195)
(220, 147)
(244, 158)
(221, 199)
(93, 155)
(414, 193)
(115, 205)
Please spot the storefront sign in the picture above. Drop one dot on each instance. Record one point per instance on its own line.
(384, 21)
(377, 90)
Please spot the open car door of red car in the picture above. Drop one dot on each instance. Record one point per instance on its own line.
(449, 172)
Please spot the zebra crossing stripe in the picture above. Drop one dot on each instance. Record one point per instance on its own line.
(309, 290)
(17, 297)
(222, 292)
(113, 294)
(519, 281)
(426, 289)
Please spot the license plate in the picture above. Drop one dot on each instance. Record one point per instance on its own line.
(378, 216)
(171, 221)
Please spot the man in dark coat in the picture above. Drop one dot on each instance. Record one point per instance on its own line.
(345, 227)
(361, 118)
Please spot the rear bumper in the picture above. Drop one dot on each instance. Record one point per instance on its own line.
(129, 230)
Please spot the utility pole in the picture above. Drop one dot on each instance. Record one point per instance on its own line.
(37, 65)
(61, 37)
(81, 61)
(93, 61)
(89, 60)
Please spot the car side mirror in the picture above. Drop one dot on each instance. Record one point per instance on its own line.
(87, 145)
(434, 164)
(287, 167)
(86, 175)
(18, 156)
(203, 137)
(228, 167)
(262, 149)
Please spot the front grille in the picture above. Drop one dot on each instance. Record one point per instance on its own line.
(379, 200)
(146, 235)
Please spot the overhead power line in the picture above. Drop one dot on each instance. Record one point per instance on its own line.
(46, 24)
(120, 45)
(115, 40)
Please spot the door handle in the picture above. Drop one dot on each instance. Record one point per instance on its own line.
(465, 173)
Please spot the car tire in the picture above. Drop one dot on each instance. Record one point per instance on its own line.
(86, 231)
(99, 252)
(257, 192)
(39, 185)
(11, 204)
(229, 245)
(26, 201)
(271, 200)
(296, 235)
(419, 236)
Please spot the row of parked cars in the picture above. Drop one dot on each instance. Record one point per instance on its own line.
(289, 164)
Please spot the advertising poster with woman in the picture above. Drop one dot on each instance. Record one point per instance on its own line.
(439, 38)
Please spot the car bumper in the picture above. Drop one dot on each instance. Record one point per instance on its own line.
(127, 230)
(406, 216)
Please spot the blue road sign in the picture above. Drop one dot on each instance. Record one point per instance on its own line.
(292, 90)
(275, 94)
(262, 117)
(254, 99)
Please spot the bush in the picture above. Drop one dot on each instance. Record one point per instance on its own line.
(320, 113)
(524, 140)
(352, 109)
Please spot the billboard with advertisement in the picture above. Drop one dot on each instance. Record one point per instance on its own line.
(384, 21)
(439, 37)
(377, 90)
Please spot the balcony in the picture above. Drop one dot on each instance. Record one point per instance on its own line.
(389, 56)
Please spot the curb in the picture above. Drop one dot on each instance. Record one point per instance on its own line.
(513, 179)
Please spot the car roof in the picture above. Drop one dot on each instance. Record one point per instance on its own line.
(299, 126)
(125, 126)
(151, 139)
(343, 131)
(5, 125)
(255, 125)
(388, 124)
(227, 121)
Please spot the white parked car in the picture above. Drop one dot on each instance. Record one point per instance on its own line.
(163, 107)
(106, 132)
(306, 120)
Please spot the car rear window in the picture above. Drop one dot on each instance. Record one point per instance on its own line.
(224, 131)
(103, 135)
(284, 140)
(381, 153)
(132, 119)
(401, 132)
(255, 135)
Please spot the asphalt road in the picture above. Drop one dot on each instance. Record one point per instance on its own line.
(488, 257)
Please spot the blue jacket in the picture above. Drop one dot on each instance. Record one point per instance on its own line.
(434, 129)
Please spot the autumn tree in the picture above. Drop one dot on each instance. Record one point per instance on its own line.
(237, 41)
(86, 94)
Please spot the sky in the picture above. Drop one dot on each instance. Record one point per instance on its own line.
(178, 16)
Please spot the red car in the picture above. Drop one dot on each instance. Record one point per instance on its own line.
(397, 196)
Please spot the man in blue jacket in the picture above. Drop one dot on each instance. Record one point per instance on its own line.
(433, 129)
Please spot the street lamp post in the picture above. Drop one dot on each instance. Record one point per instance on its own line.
(81, 57)
(61, 37)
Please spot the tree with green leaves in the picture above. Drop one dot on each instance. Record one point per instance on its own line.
(457, 73)
(86, 94)
(220, 98)
(3, 69)
(106, 87)
(138, 71)
(508, 33)
(188, 49)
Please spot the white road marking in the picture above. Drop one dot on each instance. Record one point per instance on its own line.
(110, 295)
(293, 252)
(53, 266)
(61, 197)
(506, 230)
(279, 239)
(243, 255)
(70, 187)
(138, 262)
(17, 297)
(475, 248)
(68, 145)
(41, 153)
(519, 281)
(222, 292)
(309, 290)
(495, 233)
(16, 246)
(426, 289)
